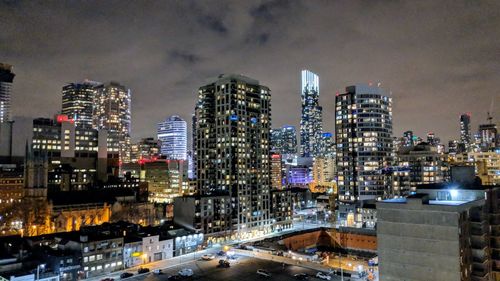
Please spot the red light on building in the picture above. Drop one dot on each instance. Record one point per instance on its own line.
(63, 118)
(275, 156)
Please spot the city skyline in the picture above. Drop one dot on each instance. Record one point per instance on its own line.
(441, 73)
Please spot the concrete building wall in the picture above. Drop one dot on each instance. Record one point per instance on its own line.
(418, 244)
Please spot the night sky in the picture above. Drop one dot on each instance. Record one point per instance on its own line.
(437, 59)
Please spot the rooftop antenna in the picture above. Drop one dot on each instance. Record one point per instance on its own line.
(489, 117)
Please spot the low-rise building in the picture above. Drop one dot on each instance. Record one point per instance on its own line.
(440, 233)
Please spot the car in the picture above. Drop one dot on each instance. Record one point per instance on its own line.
(126, 275)
(157, 271)
(221, 253)
(301, 276)
(263, 272)
(108, 279)
(186, 272)
(323, 276)
(174, 278)
(224, 263)
(142, 270)
(207, 257)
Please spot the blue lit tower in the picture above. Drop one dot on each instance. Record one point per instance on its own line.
(311, 126)
(363, 132)
(172, 134)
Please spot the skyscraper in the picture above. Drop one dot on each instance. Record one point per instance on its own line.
(78, 102)
(327, 145)
(363, 131)
(465, 139)
(284, 140)
(233, 116)
(488, 134)
(172, 133)
(112, 112)
(311, 124)
(6, 79)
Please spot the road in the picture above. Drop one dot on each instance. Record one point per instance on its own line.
(243, 269)
(298, 226)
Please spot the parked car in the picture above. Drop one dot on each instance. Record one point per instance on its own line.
(157, 271)
(174, 278)
(186, 272)
(301, 276)
(207, 257)
(126, 275)
(323, 276)
(142, 270)
(223, 263)
(108, 279)
(263, 272)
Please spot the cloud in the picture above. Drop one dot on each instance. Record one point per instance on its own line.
(438, 58)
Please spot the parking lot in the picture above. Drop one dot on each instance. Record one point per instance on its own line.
(242, 269)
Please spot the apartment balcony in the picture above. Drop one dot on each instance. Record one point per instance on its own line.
(495, 230)
(495, 219)
(478, 217)
(478, 228)
(495, 254)
(495, 243)
(479, 241)
(480, 255)
(496, 265)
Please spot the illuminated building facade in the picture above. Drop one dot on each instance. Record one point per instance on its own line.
(76, 155)
(487, 165)
(284, 140)
(172, 134)
(11, 188)
(276, 171)
(146, 148)
(489, 137)
(233, 116)
(420, 164)
(311, 121)
(465, 133)
(78, 102)
(166, 179)
(112, 112)
(6, 80)
(363, 131)
(327, 148)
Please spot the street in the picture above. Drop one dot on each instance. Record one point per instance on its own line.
(242, 269)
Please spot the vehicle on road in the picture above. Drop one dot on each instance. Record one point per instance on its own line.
(323, 276)
(186, 272)
(221, 253)
(263, 272)
(126, 275)
(301, 276)
(224, 264)
(108, 279)
(207, 257)
(157, 271)
(174, 278)
(142, 270)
